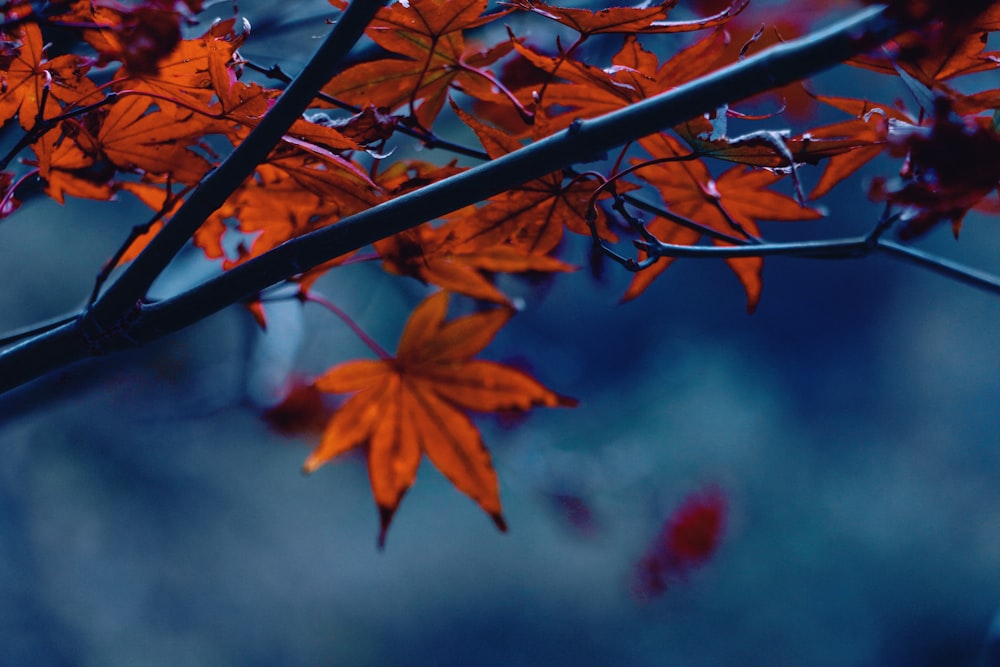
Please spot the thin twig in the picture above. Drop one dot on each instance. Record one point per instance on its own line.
(945, 267)
(426, 137)
(853, 247)
(711, 232)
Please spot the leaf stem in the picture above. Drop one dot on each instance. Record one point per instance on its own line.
(346, 319)
(527, 116)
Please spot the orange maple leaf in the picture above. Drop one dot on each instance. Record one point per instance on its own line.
(192, 72)
(531, 216)
(933, 66)
(416, 403)
(134, 136)
(428, 34)
(635, 74)
(426, 254)
(138, 36)
(291, 194)
(731, 203)
(273, 208)
(68, 170)
(29, 75)
(772, 149)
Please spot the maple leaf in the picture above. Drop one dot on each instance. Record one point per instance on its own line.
(408, 175)
(957, 15)
(273, 208)
(291, 194)
(29, 79)
(415, 404)
(426, 254)
(952, 165)
(732, 203)
(368, 126)
(870, 129)
(139, 36)
(428, 36)
(339, 183)
(771, 149)
(316, 188)
(132, 135)
(430, 255)
(68, 170)
(933, 67)
(242, 103)
(192, 72)
(531, 216)
(635, 74)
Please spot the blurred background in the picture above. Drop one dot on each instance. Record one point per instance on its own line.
(150, 516)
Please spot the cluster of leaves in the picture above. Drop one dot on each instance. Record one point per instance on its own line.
(145, 110)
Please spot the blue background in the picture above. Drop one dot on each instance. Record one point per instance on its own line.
(149, 516)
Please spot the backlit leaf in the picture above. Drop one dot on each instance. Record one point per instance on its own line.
(415, 404)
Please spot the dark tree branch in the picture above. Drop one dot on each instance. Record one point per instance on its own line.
(213, 191)
(582, 142)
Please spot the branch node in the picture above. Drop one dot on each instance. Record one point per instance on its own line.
(100, 340)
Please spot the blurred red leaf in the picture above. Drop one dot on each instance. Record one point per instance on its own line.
(953, 164)
(687, 540)
(304, 410)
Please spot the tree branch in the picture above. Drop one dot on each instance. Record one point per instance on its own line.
(584, 141)
(213, 191)
(940, 265)
(823, 249)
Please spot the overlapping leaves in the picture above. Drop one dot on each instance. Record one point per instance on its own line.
(168, 104)
(431, 58)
